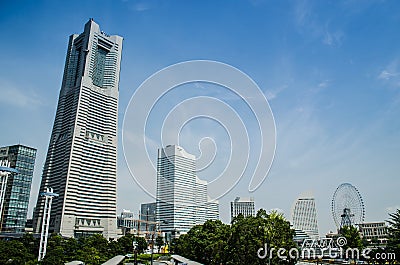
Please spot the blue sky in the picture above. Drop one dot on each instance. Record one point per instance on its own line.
(330, 70)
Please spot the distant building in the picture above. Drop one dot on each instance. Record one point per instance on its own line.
(201, 201)
(148, 216)
(176, 182)
(81, 161)
(18, 189)
(305, 217)
(244, 206)
(29, 226)
(332, 234)
(374, 232)
(212, 210)
(182, 200)
(128, 224)
(300, 236)
(148, 211)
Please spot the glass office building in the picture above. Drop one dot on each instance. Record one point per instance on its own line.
(18, 189)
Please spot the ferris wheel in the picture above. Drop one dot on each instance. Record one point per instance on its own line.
(347, 206)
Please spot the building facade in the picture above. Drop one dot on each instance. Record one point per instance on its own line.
(126, 222)
(148, 216)
(81, 161)
(18, 188)
(374, 232)
(244, 206)
(176, 190)
(148, 229)
(201, 201)
(148, 211)
(182, 200)
(212, 210)
(304, 217)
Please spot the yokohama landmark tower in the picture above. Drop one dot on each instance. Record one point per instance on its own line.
(81, 162)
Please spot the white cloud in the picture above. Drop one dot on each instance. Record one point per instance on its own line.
(302, 13)
(143, 6)
(308, 23)
(333, 38)
(15, 96)
(323, 84)
(387, 75)
(270, 94)
(390, 75)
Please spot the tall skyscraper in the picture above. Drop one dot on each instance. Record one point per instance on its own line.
(244, 206)
(18, 188)
(81, 162)
(305, 217)
(176, 195)
(182, 200)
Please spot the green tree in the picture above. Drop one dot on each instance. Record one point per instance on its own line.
(126, 243)
(97, 246)
(115, 248)
(142, 244)
(14, 252)
(276, 233)
(159, 242)
(238, 243)
(90, 255)
(94, 249)
(31, 244)
(352, 236)
(55, 253)
(205, 243)
(393, 245)
(245, 239)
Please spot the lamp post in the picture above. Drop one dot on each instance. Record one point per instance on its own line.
(152, 248)
(49, 195)
(156, 227)
(135, 245)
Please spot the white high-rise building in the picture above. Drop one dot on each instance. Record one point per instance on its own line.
(182, 199)
(244, 206)
(81, 162)
(305, 217)
(176, 182)
(201, 201)
(212, 210)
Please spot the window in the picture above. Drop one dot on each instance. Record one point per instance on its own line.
(100, 60)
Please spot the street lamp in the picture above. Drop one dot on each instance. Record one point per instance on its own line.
(49, 195)
(157, 226)
(135, 245)
(152, 248)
